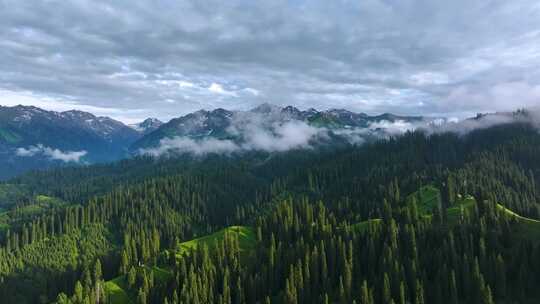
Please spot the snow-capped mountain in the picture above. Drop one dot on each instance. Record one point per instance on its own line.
(147, 126)
(29, 118)
(32, 138)
(230, 125)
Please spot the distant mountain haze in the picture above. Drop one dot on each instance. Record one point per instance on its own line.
(33, 138)
(229, 125)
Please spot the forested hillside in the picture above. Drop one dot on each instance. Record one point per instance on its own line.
(418, 218)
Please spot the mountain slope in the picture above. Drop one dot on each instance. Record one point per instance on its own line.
(270, 121)
(32, 138)
(147, 126)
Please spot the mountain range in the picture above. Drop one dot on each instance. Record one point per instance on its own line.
(257, 219)
(33, 138)
(236, 125)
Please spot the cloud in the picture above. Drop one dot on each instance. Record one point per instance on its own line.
(380, 129)
(506, 96)
(465, 126)
(137, 56)
(180, 145)
(270, 130)
(218, 89)
(484, 121)
(31, 151)
(267, 133)
(287, 136)
(396, 127)
(356, 136)
(8, 98)
(251, 132)
(51, 153)
(386, 128)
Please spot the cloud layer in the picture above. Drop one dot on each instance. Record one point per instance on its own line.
(133, 59)
(255, 135)
(263, 132)
(258, 132)
(51, 153)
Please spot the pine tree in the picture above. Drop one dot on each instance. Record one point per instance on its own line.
(387, 292)
(453, 288)
(141, 297)
(78, 296)
(364, 293)
(500, 277)
(487, 297)
(132, 276)
(98, 281)
(419, 293)
(402, 293)
(124, 263)
(342, 294)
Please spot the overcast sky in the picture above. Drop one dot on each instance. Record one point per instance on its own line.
(134, 59)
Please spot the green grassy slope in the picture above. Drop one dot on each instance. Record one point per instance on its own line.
(427, 198)
(463, 204)
(527, 228)
(246, 237)
(366, 225)
(38, 205)
(41, 202)
(117, 290)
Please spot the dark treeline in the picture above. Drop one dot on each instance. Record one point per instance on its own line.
(305, 208)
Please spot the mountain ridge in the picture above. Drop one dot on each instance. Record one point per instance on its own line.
(33, 138)
(146, 126)
(217, 123)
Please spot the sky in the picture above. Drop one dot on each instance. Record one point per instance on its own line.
(132, 59)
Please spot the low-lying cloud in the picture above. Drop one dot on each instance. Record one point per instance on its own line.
(256, 132)
(484, 121)
(249, 135)
(188, 145)
(395, 127)
(387, 128)
(51, 153)
(266, 134)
